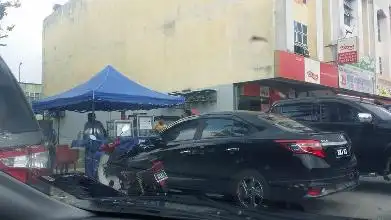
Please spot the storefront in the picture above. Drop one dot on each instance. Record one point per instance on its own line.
(358, 77)
(295, 76)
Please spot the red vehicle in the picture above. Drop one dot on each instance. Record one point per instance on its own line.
(22, 153)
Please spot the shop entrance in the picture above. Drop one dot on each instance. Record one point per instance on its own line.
(260, 95)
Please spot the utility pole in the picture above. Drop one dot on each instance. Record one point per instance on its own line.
(20, 64)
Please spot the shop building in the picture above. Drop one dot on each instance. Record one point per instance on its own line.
(250, 53)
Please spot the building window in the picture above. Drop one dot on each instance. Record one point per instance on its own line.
(36, 96)
(301, 39)
(380, 66)
(380, 16)
(378, 26)
(348, 12)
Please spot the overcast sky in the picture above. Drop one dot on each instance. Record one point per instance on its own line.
(25, 41)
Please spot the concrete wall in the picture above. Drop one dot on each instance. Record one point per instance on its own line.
(225, 100)
(382, 48)
(73, 122)
(166, 45)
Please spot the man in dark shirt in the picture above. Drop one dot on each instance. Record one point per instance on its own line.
(93, 126)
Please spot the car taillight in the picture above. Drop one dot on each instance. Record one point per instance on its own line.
(29, 160)
(22, 163)
(303, 147)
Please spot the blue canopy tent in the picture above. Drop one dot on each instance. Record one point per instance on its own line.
(108, 90)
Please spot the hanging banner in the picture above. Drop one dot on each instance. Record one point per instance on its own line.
(356, 79)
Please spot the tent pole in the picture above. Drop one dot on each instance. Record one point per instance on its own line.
(58, 129)
(93, 110)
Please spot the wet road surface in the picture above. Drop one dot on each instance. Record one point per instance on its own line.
(371, 200)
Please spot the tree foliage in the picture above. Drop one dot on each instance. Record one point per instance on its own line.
(4, 6)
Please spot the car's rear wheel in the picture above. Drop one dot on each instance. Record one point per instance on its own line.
(251, 189)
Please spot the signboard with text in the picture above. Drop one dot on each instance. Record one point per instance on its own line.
(296, 67)
(347, 50)
(356, 79)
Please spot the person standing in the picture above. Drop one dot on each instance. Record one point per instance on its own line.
(95, 127)
(160, 126)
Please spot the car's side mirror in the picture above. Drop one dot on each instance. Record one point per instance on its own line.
(365, 117)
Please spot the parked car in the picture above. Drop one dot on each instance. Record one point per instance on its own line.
(252, 157)
(22, 152)
(367, 125)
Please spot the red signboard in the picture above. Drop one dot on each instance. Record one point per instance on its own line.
(347, 50)
(296, 67)
(329, 75)
(347, 57)
(251, 89)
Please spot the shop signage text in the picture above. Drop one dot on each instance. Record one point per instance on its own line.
(312, 71)
(356, 79)
(292, 66)
(347, 50)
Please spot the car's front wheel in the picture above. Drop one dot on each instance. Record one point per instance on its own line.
(250, 189)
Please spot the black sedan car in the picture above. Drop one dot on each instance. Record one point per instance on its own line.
(252, 157)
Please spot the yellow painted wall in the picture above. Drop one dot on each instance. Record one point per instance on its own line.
(306, 14)
(312, 31)
(365, 27)
(327, 43)
(166, 45)
(300, 11)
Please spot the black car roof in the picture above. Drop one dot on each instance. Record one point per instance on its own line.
(239, 113)
(315, 99)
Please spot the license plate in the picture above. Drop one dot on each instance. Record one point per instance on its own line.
(342, 152)
(160, 176)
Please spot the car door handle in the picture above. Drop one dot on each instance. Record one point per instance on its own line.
(185, 152)
(232, 149)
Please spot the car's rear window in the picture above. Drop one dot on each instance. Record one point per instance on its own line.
(284, 123)
(17, 122)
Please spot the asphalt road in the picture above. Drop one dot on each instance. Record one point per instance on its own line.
(371, 200)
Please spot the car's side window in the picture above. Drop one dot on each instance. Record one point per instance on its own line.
(338, 112)
(299, 111)
(347, 113)
(218, 127)
(328, 112)
(181, 132)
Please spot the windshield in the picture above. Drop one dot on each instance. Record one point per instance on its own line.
(126, 105)
(378, 110)
(18, 126)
